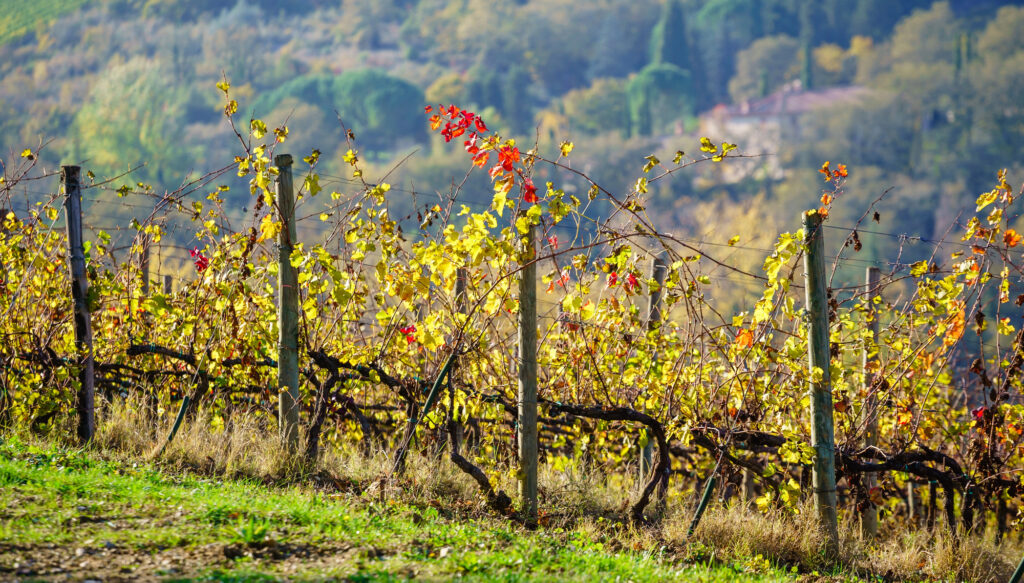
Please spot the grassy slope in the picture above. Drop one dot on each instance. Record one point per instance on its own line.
(69, 513)
(21, 17)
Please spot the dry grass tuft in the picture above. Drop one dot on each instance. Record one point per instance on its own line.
(948, 558)
(736, 533)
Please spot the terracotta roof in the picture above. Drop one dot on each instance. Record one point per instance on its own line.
(791, 100)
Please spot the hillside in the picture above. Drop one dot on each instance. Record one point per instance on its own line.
(123, 85)
(24, 17)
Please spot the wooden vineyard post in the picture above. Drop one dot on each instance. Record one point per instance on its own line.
(144, 265)
(462, 305)
(659, 267)
(152, 403)
(168, 285)
(822, 438)
(912, 502)
(933, 493)
(288, 308)
(527, 418)
(85, 399)
(869, 516)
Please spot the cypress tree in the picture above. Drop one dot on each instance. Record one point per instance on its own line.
(669, 40)
(811, 21)
(671, 44)
(515, 105)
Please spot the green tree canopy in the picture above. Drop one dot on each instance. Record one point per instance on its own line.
(381, 109)
(134, 115)
(764, 66)
(658, 95)
(599, 108)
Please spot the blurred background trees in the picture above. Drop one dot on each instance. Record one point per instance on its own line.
(117, 83)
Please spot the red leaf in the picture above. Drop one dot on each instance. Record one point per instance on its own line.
(480, 125)
(631, 282)
(529, 191)
(201, 261)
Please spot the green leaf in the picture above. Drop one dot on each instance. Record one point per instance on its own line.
(312, 184)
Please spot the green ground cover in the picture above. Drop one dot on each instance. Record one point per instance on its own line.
(66, 514)
(21, 17)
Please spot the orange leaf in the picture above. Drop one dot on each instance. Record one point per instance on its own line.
(744, 338)
(824, 170)
(1011, 238)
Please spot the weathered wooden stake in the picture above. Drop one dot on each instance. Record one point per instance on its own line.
(527, 420)
(822, 437)
(869, 517)
(659, 267)
(911, 502)
(1001, 514)
(462, 305)
(86, 398)
(747, 486)
(152, 403)
(144, 265)
(288, 307)
(168, 285)
(932, 504)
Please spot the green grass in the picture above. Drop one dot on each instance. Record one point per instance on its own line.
(67, 511)
(21, 17)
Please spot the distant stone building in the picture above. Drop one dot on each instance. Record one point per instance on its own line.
(759, 126)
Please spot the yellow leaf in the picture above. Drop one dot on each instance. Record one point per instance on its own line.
(641, 185)
(269, 228)
(565, 148)
(259, 129)
(588, 310)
